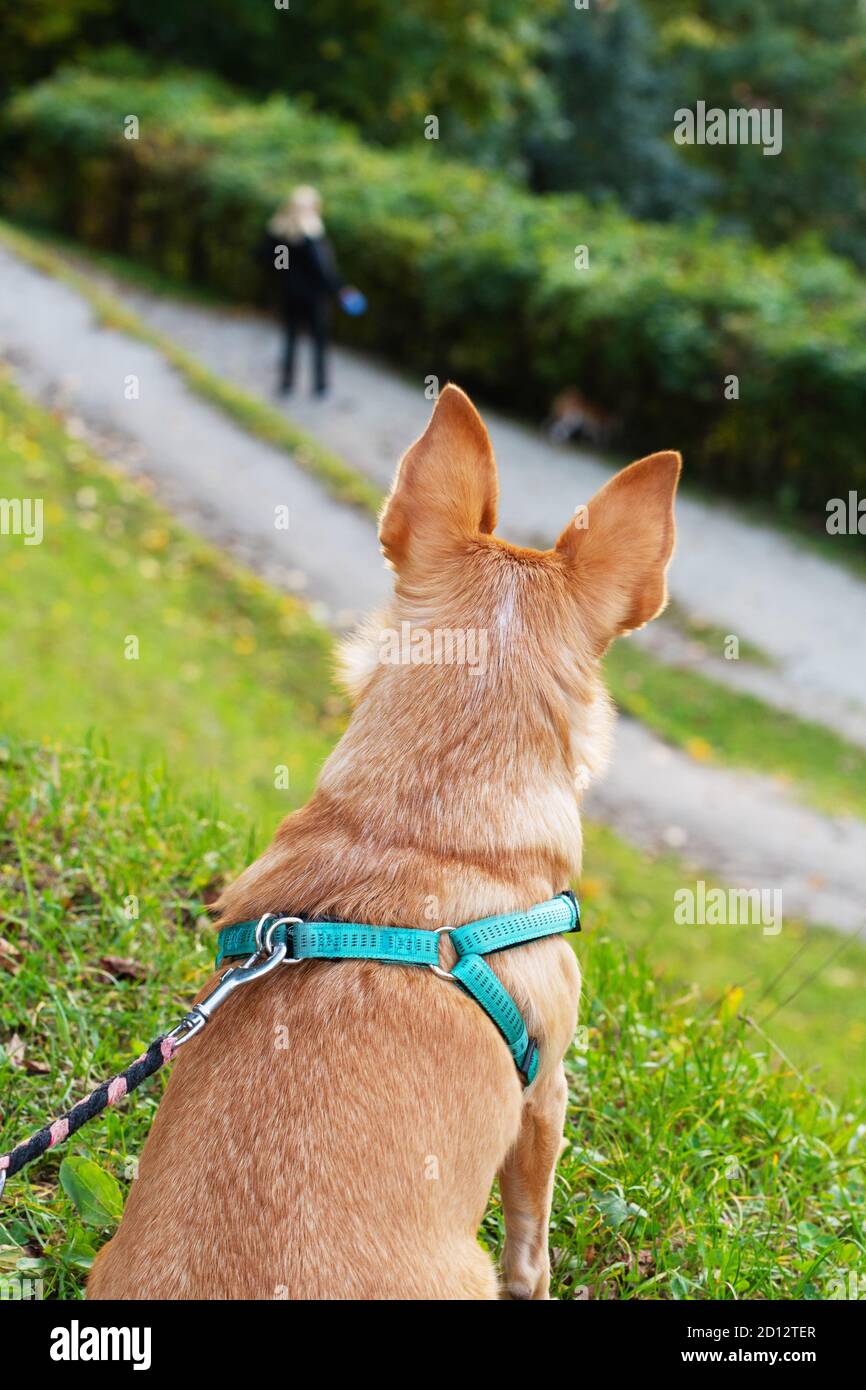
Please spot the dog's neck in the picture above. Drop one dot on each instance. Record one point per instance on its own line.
(454, 793)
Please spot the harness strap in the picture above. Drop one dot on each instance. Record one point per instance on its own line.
(514, 928)
(337, 941)
(475, 976)
(350, 941)
(407, 946)
(240, 940)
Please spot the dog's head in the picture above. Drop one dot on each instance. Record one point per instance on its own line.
(515, 633)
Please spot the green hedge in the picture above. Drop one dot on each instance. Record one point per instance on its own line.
(470, 276)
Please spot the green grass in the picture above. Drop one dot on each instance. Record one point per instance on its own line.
(697, 1166)
(85, 847)
(804, 988)
(231, 680)
(713, 637)
(714, 724)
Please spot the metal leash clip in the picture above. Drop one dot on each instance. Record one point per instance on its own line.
(264, 959)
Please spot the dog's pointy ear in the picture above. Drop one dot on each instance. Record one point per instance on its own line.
(445, 490)
(617, 549)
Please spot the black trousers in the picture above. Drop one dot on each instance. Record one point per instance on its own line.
(310, 316)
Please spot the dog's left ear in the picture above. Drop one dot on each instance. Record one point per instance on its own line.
(445, 490)
(617, 549)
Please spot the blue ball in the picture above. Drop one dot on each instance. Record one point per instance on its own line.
(354, 303)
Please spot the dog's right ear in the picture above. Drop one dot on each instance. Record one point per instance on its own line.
(444, 493)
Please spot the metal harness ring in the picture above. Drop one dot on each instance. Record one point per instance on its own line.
(437, 969)
(265, 943)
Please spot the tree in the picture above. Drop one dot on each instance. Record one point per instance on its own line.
(808, 60)
(37, 34)
(611, 133)
(383, 64)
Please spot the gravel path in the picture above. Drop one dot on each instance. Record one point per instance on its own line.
(208, 469)
(743, 828)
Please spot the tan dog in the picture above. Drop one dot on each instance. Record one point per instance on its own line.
(335, 1131)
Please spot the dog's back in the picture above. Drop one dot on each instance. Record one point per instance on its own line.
(335, 1131)
(333, 1136)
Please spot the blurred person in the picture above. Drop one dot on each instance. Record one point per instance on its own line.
(304, 280)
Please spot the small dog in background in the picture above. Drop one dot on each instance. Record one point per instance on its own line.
(572, 416)
(335, 1132)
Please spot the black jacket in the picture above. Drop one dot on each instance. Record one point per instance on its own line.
(311, 274)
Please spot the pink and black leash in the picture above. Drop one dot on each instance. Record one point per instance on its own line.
(163, 1049)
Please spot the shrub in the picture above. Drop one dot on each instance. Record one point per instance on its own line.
(468, 275)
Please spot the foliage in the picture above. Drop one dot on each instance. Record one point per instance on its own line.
(37, 34)
(581, 99)
(448, 255)
(382, 65)
(808, 60)
(610, 129)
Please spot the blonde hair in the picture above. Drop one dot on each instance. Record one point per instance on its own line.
(299, 216)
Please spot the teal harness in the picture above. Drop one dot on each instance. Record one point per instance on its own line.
(406, 946)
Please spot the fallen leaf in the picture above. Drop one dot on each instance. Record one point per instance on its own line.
(122, 968)
(14, 1050)
(699, 749)
(36, 1068)
(9, 956)
(591, 888)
